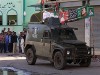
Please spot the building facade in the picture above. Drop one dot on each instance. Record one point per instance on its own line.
(11, 14)
(15, 14)
(29, 11)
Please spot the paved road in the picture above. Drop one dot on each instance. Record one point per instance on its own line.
(43, 67)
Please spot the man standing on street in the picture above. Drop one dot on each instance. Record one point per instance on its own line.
(14, 38)
(1, 42)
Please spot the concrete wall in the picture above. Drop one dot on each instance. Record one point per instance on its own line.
(16, 28)
(29, 10)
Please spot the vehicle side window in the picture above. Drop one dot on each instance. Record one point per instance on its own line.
(46, 34)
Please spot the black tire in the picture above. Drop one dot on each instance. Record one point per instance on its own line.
(30, 56)
(85, 62)
(59, 61)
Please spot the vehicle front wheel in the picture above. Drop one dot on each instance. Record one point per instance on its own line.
(30, 56)
(59, 61)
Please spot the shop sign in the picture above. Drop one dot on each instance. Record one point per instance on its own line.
(72, 14)
(85, 12)
(90, 11)
(80, 13)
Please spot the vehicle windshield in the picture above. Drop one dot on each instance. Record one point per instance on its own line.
(63, 34)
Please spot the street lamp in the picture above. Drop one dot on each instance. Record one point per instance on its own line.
(24, 13)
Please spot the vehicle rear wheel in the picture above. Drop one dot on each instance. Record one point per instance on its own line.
(30, 56)
(59, 61)
(85, 62)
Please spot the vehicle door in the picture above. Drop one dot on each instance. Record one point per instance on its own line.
(36, 36)
(46, 43)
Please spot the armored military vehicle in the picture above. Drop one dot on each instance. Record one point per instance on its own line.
(55, 43)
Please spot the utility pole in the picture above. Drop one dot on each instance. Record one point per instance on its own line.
(87, 25)
(24, 12)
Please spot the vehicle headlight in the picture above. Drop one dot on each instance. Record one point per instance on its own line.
(89, 52)
(68, 52)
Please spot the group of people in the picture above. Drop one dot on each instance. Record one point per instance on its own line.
(10, 42)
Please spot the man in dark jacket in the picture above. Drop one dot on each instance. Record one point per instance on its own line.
(14, 40)
(6, 42)
(0, 42)
(10, 47)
